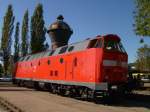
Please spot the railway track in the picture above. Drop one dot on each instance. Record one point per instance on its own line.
(9, 107)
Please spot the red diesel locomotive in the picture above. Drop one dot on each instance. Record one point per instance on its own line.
(93, 66)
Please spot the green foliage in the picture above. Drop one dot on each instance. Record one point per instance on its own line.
(6, 36)
(25, 39)
(142, 17)
(16, 44)
(37, 30)
(143, 58)
(1, 70)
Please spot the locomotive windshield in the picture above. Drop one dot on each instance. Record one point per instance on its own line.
(114, 46)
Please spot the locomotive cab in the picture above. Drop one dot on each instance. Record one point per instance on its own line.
(114, 62)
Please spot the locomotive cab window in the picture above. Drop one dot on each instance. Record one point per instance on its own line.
(114, 46)
(96, 43)
(92, 43)
(99, 43)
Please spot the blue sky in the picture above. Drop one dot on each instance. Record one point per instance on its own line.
(87, 18)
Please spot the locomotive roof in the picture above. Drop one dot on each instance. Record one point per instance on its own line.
(78, 46)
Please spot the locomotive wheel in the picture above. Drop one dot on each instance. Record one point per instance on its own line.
(36, 86)
(62, 92)
(54, 88)
(72, 93)
(48, 87)
(83, 94)
(78, 93)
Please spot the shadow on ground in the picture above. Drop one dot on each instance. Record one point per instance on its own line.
(131, 100)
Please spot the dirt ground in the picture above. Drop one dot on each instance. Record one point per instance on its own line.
(2, 110)
(40, 101)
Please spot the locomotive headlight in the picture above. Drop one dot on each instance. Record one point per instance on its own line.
(114, 87)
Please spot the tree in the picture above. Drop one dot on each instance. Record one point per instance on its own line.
(25, 39)
(1, 70)
(143, 58)
(16, 44)
(46, 46)
(142, 18)
(37, 30)
(7, 30)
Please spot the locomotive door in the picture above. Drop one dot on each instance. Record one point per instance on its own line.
(69, 68)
